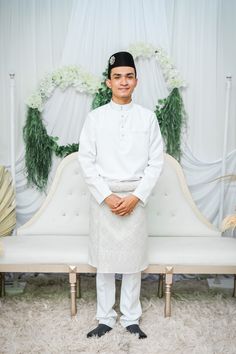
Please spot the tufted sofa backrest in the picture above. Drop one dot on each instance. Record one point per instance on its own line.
(171, 209)
(66, 208)
(65, 211)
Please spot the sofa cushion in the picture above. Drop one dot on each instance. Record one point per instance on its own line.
(161, 250)
(44, 250)
(220, 251)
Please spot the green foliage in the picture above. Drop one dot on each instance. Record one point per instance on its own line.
(38, 155)
(63, 150)
(103, 95)
(171, 116)
(39, 149)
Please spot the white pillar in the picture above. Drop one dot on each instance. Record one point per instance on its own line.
(224, 154)
(12, 127)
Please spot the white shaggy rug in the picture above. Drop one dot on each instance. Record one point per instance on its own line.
(203, 321)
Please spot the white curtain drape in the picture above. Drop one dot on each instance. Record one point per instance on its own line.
(204, 50)
(206, 186)
(38, 36)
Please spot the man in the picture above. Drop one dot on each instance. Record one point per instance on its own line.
(121, 155)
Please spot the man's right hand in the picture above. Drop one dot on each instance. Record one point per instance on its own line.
(113, 201)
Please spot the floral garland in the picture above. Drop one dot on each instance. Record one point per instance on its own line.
(40, 146)
(170, 73)
(67, 76)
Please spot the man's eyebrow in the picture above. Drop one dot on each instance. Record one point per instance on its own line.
(127, 74)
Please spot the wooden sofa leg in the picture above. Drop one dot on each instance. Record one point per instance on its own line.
(78, 286)
(2, 284)
(234, 293)
(168, 284)
(72, 279)
(160, 285)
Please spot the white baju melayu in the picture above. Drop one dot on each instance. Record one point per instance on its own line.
(120, 152)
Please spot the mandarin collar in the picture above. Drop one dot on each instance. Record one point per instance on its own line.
(121, 107)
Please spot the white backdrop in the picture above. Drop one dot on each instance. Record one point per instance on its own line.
(37, 36)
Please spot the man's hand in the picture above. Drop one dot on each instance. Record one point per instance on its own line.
(113, 201)
(126, 205)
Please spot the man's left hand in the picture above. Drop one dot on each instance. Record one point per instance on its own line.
(127, 205)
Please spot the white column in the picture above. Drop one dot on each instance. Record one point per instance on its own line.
(224, 154)
(12, 127)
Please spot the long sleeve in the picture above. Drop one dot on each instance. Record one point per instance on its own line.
(154, 166)
(87, 159)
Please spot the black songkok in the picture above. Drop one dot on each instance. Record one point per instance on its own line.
(120, 59)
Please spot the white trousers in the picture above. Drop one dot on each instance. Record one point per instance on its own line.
(130, 306)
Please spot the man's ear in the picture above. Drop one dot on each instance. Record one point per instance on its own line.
(108, 83)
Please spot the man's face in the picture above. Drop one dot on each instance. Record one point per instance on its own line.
(122, 82)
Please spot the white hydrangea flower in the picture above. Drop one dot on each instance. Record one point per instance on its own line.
(35, 101)
(64, 77)
(46, 86)
(56, 77)
(171, 75)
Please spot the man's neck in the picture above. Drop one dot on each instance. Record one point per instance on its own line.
(122, 100)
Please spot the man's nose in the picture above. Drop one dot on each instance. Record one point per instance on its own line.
(123, 80)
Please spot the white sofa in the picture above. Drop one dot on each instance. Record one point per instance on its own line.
(181, 240)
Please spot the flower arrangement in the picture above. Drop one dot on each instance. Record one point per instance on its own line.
(229, 222)
(170, 73)
(40, 146)
(67, 76)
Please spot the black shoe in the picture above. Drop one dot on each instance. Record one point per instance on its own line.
(135, 329)
(99, 331)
